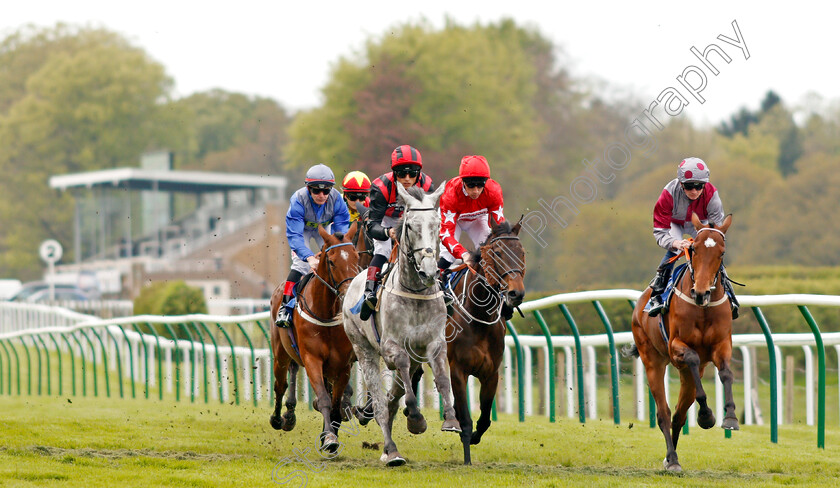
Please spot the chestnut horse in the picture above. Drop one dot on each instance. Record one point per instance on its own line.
(364, 244)
(476, 330)
(325, 351)
(699, 329)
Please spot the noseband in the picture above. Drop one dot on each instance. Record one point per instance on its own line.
(410, 253)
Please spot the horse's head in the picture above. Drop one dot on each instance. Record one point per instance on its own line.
(339, 259)
(707, 257)
(420, 230)
(503, 261)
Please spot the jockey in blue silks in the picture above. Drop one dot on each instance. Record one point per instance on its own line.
(316, 204)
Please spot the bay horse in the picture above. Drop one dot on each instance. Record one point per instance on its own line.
(409, 326)
(699, 331)
(325, 351)
(476, 330)
(363, 243)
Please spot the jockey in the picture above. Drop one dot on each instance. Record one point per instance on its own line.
(468, 203)
(316, 204)
(689, 193)
(406, 165)
(356, 192)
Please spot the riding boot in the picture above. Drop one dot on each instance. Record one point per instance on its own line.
(660, 281)
(369, 304)
(733, 302)
(284, 317)
(448, 299)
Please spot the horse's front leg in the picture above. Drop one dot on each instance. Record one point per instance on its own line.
(655, 371)
(486, 397)
(686, 357)
(402, 386)
(323, 402)
(721, 357)
(369, 363)
(437, 361)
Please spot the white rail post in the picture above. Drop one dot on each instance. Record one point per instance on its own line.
(529, 382)
(592, 382)
(748, 406)
(508, 364)
(570, 382)
(809, 385)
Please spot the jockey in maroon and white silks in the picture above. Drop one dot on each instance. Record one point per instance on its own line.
(690, 192)
(672, 213)
(459, 213)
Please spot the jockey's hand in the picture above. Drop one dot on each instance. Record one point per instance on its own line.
(313, 262)
(680, 244)
(466, 258)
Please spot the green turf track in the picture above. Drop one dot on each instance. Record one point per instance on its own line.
(49, 441)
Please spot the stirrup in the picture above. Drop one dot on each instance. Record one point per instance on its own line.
(656, 307)
(283, 318)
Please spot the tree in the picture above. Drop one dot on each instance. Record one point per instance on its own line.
(89, 100)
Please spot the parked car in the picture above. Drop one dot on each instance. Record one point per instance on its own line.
(62, 294)
(33, 287)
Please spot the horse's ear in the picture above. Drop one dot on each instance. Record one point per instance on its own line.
(437, 193)
(350, 233)
(726, 222)
(696, 221)
(516, 228)
(322, 231)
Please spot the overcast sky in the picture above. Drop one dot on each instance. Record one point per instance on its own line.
(284, 50)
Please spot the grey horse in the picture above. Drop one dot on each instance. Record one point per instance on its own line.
(411, 321)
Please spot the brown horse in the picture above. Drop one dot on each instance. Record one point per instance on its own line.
(699, 328)
(364, 244)
(476, 331)
(325, 351)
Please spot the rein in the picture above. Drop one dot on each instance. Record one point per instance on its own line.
(332, 288)
(410, 254)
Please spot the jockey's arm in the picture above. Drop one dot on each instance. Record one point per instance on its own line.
(341, 217)
(294, 231)
(378, 206)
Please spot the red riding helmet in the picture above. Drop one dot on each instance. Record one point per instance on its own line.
(356, 181)
(474, 167)
(406, 154)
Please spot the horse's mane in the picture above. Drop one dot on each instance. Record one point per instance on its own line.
(502, 229)
(416, 192)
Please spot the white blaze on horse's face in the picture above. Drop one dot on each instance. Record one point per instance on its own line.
(709, 242)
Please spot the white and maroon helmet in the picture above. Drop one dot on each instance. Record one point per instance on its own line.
(693, 169)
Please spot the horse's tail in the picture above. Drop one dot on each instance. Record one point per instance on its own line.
(630, 350)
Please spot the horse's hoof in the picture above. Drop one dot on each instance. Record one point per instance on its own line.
(706, 421)
(276, 422)
(392, 460)
(330, 443)
(671, 467)
(730, 424)
(362, 415)
(416, 425)
(289, 421)
(450, 425)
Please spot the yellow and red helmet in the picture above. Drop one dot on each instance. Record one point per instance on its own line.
(356, 181)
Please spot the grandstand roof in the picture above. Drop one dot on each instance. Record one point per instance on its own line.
(166, 180)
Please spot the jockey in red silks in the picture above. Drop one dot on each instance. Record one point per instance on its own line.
(690, 192)
(406, 166)
(467, 205)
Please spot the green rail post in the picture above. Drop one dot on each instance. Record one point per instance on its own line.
(579, 362)
(186, 330)
(651, 409)
(104, 362)
(93, 360)
(270, 363)
(47, 358)
(774, 394)
(72, 361)
(145, 357)
(38, 352)
(177, 359)
(551, 366)
(613, 361)
(493, 415)
(130, 362)
(28, 367)
(821, 381)
(159, 359)
(119, 359)
(233, 364)
(218, 363)
(253, 366)
(9, 369)
(17, 366)
(203, 362)
(520, 374)
(57, 353)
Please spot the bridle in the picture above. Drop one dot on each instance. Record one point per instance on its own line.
(333, 286)
(411, 253)
(689, 254)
